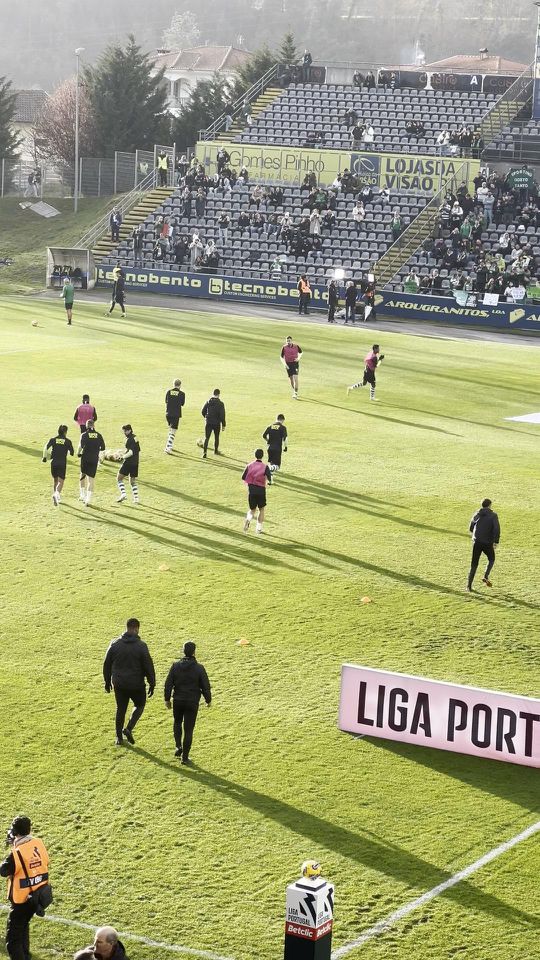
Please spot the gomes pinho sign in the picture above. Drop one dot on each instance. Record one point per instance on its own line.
(446, 716)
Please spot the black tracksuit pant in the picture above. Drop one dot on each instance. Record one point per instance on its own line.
(477, 551)
(18, 930)
(209, 429)
(185, 716)
(123, 695)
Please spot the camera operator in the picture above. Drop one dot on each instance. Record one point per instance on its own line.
(27, 870)
(106, 946)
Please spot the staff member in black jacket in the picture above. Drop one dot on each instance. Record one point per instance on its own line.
(486, 532)
(127, 665)
(186, 681)
(214, 414)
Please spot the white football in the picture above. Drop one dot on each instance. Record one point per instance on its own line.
(34, 323)
(200, 442)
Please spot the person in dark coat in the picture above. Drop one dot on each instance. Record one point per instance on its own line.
(186, 682)
(214, 415)
(106, 946)
(486, 532)
(126, 666)
(332, 301)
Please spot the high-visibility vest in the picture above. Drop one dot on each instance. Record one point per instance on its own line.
(304, 286)
(36, 861)
(162, 163)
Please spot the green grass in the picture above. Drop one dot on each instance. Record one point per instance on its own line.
(24, 237)
(374, 500)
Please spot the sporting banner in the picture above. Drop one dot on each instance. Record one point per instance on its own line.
(446, 716)
(402, 305)
(399, 172)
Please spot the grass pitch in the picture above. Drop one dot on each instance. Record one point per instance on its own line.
(374, 500)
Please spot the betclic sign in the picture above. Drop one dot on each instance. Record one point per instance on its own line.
(445, 716)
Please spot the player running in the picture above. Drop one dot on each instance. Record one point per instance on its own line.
(68, 296)
(118, 292)
(256, 476)
(290, 357)
(175, 399)
(371, 363)
(90, 447)
(130, 466)
(59, 448)
(85, 412)
(276, 438)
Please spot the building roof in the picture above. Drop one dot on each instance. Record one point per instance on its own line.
(28, 105)
(468, 63)
(207, 58)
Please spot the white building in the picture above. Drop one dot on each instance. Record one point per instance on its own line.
(29, 105)
(184, 69)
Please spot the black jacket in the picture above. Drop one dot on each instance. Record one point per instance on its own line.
(187, 680)
(485, 526)
(87, 953)
(128, 663)
(214, 411)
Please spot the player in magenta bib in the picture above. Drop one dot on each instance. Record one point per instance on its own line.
(290, 357)
(371, 362)
(84, 412)
(256, 476)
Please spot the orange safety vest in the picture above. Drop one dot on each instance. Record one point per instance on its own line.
(304, 286)
(36, 861)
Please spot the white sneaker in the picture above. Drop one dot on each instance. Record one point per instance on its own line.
(246, 525)
(260, 530)
(349, 390)
(121, 498)
(166, 450)
(55, 499)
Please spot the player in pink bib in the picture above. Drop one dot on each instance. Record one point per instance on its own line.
(371, 361)
(256, 475)
(290, 357)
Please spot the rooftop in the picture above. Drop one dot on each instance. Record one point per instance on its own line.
(207, 58)
(28, 105)
(469, 63)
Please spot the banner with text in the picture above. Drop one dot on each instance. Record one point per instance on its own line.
(404, 172)
(414, 307)
(446, 716)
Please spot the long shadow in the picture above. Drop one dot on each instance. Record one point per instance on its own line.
(391, 860)
(510, 782)
(380, 416)
(198, 501)
(447, 416)
(29, 451)
(488, 384)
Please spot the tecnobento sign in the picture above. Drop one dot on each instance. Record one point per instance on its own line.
(446, 716)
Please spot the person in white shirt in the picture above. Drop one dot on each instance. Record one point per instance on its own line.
(358, 215)
(315, 223)
(368, 136)
(515, 292)
(443, 141)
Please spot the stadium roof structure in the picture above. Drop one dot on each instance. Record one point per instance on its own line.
(28, 105)
(206, 58)
(468, 63)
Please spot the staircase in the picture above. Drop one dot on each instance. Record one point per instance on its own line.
(146, 205)
(507, 107)
(263, 102)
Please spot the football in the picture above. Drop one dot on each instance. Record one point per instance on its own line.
(311, 869)
(34, 323)
(200, 442)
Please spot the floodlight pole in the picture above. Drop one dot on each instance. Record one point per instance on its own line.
(78, 52)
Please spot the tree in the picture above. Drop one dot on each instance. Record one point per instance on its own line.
(128, 100)
(287, 53)
(9, 140)
(182, 33)
(55, 130)
(253, 70)
(206, 104)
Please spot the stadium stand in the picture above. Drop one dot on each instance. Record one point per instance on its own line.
(303, 110)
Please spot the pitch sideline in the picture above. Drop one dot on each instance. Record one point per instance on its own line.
(383, 925)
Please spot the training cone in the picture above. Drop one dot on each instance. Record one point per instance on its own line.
(366, 600)
(243, 642)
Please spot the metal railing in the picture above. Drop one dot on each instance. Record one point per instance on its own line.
(525, 148)
(128, 200)
(254, 91)
(501, 114)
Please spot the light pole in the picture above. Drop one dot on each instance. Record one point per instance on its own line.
(78, 52)
(536, 68)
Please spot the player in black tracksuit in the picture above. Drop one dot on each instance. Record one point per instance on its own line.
(186, 681)
(59, 446)
(214, 414)
(130, 465)
(118, 294)
(126, 666)
(175, 399)
(276, 438)
(486, 532)
(90, 447)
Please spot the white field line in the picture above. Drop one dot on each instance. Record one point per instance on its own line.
(383, 925)
(123, 935)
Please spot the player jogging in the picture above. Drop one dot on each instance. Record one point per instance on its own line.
(371, 363)
(59, 448)
(214, 415)
(256, 476)
(174, 401)
(290, 356)
(90, 447)
(68, 296)
(276, 438)
(130, 466)
(118, 292)
(85, 412)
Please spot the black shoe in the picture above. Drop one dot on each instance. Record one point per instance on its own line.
(119, 742)
(178, 752)
(129, 736)
(204, 455)
(469, 588)
(186, 762)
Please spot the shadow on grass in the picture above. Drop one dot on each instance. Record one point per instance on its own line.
(29, 451)
(380, 416)
(389, 859)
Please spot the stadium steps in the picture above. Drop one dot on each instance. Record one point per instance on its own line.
(261, 104)
(507, 108)
(138, 214)
(407, 244)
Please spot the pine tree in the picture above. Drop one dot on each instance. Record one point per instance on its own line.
(9, 141)
(206, 104)
(253, 70)
(287, 52)
(127, 101)
(183, 32)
